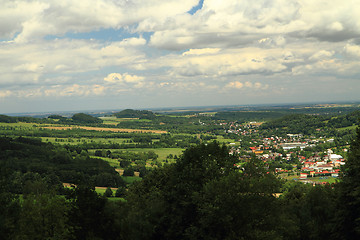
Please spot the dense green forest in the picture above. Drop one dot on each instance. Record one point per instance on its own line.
(308, 124)
(30, 159)
(75, 119)
(130, 113)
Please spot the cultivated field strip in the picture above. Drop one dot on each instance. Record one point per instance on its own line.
(107, 129)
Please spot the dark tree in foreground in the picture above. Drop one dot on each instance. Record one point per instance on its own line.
(120, 192)
(44, 216)
(349, 194)
(86, 213)
(203, 196)
(108, 192)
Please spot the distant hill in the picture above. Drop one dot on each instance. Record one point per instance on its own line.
(10, 119)
(130, 113)
(7, 119)
(85, 118)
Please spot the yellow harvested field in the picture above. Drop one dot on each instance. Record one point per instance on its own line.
(104, 188)
(107, 129)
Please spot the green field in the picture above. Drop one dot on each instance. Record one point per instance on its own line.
(348, 128)
(221, 139)
(323, 179)
(161, 152)
(327, 179)
(112, 162)
(130, 180)
(101, 192)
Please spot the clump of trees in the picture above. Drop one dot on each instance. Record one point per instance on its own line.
(85, 118)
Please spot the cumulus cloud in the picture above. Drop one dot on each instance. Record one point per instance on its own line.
(6, 93)
(235, 84)
(185, 86)
(123, 78)
(36, 19)
(322, 54)
(64, 91)
(352, 50)
(226, 62)
(201, 51)
(32, 63)
(247, 85)
(238, 23)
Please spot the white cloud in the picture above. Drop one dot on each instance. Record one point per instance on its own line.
(352, 50)
(322, 54)
(73, 90)
(6, 93)
(236, 84)
(258, 85)
(122, 78)
(247, 84)
(238, 23)
(28, 67)
(225, 62)
(36, 19)
(202, 51)
(31, 63)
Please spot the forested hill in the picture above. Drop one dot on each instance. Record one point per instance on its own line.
(307, 124)
(85, 118)
(9, 119)
(130, 113)
(28, 159)
(78, 118)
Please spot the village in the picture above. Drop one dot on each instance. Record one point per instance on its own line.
(293, 156)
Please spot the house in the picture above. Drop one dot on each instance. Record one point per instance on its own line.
(334, 157)
(303, 175)
(324, 167)
(287, 146)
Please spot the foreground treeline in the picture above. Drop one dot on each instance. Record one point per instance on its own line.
(204, 195)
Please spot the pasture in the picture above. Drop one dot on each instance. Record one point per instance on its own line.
(161, 152)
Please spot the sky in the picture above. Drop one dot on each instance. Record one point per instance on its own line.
(115, 54)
